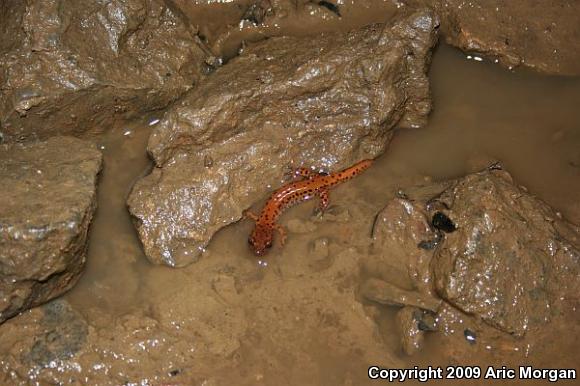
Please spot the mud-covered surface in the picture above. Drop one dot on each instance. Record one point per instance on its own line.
(238, 317)
(430, 257)
(48, 200)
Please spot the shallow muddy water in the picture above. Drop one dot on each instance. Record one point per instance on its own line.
(482, 113)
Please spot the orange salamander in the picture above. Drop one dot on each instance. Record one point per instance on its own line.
(313, 184)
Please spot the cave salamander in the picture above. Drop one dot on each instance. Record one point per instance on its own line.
(311, 185)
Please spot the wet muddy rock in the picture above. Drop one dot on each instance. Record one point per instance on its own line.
(382, 292)
(535, 34)
(412, 337)
(503, 261)
(544, 36)
(324, 101)
(63, 334)
(399, 231)
(511, 260)
(48, 199)
(399, 269)
(72, 67)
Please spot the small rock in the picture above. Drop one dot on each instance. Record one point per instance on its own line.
(412, 336)
(385, 293)
(319, 249)
(64, 332)
(442, 222)
(400, 234)
(470, 336)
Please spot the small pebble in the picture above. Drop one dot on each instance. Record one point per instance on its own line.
(442, 222)
(319, 248)
(469, 336)
(207, 161)
(331, 7)
(427, 321)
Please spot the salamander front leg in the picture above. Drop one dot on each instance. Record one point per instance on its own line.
(282, 232)
(249, 214)
(324, 199)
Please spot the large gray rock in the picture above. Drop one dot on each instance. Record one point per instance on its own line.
(72, 67)
(48, 198)
(326, 101)
(511, 260)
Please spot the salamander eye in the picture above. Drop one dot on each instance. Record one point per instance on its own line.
(250, 241)
(269, 245)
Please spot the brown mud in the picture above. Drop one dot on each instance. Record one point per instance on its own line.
(298, 316)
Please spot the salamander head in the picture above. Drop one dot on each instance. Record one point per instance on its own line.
(261, 239)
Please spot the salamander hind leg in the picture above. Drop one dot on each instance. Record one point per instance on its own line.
(324, 201)
(282, 232)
